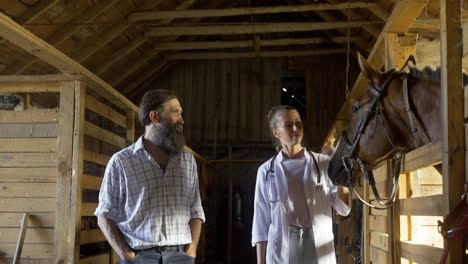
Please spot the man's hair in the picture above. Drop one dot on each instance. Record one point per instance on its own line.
(153, 100)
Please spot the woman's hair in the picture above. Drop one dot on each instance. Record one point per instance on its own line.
(153, 100)
(272, 117)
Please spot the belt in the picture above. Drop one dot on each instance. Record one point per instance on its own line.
(165, 248)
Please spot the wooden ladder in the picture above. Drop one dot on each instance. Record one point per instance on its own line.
(21, 236)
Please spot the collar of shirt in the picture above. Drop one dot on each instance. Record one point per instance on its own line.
(140, 147)
(281, 157)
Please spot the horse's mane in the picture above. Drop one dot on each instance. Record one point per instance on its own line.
(429, 73)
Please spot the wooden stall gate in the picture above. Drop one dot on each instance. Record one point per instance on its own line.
(389, 233)
(51, 164)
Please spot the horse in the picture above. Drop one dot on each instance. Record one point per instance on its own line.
(399, 112)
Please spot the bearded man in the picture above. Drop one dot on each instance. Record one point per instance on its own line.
(149, 204)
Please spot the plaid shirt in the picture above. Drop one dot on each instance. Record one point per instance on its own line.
(149, 206)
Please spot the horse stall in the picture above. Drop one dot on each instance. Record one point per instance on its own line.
(428, 203)
(54, 147)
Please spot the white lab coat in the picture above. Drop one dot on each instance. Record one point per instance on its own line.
(270, 221)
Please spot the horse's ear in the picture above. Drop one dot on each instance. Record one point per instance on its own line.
(410, 62)
(372, 74)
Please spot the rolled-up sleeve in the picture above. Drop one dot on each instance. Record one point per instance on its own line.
(196, 208)
(340, 206)
(262, 217)
(112, 190)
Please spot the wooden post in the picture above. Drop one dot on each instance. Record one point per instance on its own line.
(65, 141)
(365, 227)
(21, 236)
(77, 171)
(397, 50)
(453, 143)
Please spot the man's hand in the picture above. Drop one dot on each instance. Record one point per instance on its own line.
(195, 230)
(191, 251)
(115, 238)
(129, 255)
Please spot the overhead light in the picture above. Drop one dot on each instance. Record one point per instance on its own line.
(284, 89)
(292, 96)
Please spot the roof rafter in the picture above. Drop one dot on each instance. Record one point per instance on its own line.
(205, 13)
(254, 28)
(35, 11)
(251, 54)
(32, 44)
(136, 43)
(61, 34)
(103, 37)
(155, 73)
(32, 13)
(144, 61)
(200, 45)
(372, 29)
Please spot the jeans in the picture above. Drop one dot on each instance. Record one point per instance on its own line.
(302, 246)
(154, 256)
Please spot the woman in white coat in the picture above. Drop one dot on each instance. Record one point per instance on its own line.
(293, 199)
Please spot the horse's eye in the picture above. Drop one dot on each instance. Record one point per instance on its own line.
(354, 109)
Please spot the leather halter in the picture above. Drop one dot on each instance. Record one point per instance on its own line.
(375, 106)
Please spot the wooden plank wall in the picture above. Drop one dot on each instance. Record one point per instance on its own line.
(229, 99)
(103, 129)
(383, 239)
(31, 177)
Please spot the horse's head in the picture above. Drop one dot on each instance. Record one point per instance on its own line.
(371, 133)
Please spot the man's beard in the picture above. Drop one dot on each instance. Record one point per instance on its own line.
(169, 137)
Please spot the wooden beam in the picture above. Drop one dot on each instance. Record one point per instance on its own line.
(65, 150)
(144, 76)
(117, 79)
(30, 14)
(237, 55)
(425, 156)
(35, 11)
(363, 43)
(119, 54)
(137, 42)
(372, 29)
(426, 206)
(201, 45)
(34, 45)
(61, 34)
(148, 83)
(402, 16)
(97, 41)
(203, 13)
(380, 12)
(229, 29)
(420, 253)
(453, 142)
(102, 38)
(77, 173)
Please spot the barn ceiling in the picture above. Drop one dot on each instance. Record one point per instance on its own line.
(129, 43)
